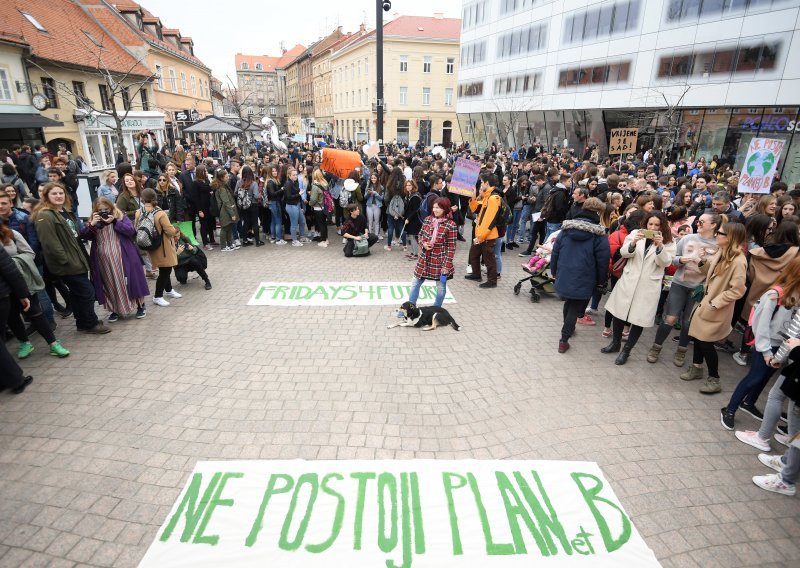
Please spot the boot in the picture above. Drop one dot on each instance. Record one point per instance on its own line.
(711, 386)
(693, 374)
(622, 358)
(680, 356)
(653, 354)
(612, 347)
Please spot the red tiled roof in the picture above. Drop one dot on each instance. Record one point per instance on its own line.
(63, 40)
(268, 63)
(421, 27)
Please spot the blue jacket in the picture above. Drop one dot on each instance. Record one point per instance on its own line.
(20, 222)
(579, 262)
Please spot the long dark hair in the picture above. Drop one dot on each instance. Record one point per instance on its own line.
(666, 233)
(396, 183)
(248, 177)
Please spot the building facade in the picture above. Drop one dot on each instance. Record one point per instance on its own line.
(323, 84)
(420, 69)
(698, 78)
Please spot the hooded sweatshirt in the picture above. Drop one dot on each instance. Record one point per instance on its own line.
(766, 264)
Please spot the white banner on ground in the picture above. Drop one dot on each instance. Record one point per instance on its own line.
(342, 294)
(396, 513)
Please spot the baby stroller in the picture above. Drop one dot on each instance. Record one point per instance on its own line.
(538, 268)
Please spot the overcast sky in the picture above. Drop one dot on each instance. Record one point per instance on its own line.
(221, 29)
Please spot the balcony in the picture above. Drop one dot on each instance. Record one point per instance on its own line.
(375, 107)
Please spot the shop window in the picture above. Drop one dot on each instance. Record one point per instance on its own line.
(402, 131)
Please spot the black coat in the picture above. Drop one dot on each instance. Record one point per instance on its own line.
(11, 280)
(187, 183)
(202, 192)
(291, 192)
(580, 257)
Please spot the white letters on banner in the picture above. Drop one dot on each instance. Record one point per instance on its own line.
(397, 513)
(342, 294)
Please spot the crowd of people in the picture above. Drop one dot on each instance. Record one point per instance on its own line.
(674, 245)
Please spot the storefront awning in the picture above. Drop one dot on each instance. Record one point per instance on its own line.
(14, 120)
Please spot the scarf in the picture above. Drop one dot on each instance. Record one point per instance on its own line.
(436, 222)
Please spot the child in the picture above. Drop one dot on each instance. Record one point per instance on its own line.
(684, 230)
(541, 259)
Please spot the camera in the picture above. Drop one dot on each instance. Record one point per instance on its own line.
(104, 214)
(387, 5)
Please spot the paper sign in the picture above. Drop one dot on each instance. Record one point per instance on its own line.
(342, 294)
(411, 513)
(535, 217)
(465, 175)
(760, 165)
(623, 141)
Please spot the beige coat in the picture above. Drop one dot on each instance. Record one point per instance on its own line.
(165, 255)
(762, 273)
(725, 283)
(635, 296)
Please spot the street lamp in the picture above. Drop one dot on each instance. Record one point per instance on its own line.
(381, 6)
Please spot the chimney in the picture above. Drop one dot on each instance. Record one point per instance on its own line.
(362, 27)
(438, 15)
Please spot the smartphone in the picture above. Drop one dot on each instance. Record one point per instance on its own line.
(648, 234)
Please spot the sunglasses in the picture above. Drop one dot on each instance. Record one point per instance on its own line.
(162, 179)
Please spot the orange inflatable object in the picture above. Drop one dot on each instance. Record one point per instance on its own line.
(340, 162)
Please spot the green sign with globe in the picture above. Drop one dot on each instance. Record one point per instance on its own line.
(760, 165)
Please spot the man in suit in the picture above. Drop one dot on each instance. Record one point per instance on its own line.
(189, 191)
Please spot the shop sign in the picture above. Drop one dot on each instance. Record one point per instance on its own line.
(189, 115)
(107, 122)
(760, 165)
(770, 123)
(623, 141)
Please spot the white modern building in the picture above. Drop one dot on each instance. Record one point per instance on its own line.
(704, 75)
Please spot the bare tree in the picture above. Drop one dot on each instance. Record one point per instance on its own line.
(241, 104)
(663, 116)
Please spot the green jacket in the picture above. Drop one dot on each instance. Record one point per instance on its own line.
(128, 204)
(227, 205)
(317, 196)
(63, 252)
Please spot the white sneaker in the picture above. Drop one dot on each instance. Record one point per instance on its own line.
(237, 243)
(208, 247)
(304, 240)
(227, 249)
(772, 462)
(281, 242)
(591, 312)
(297, 244)
(160, 302)
(752, 438)
(773, 482)
(782, 439)
(740, 359)
(173, 294)
(322, 244)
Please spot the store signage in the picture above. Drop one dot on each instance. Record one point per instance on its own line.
(410, 513)
(465, 176)
(623, 141)
(760, 165)
(770, 123)
(187, 115)
(105, 122)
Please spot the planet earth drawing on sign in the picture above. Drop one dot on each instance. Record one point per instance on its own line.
(760, 161)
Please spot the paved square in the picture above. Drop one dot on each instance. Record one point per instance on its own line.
(95, 452)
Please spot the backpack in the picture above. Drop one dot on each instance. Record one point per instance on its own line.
(243, 197)
(547, 208)
(147, 236)
(397, 207)
(426, 205)
(505, 215)
(327, 200)
(749, 337)
(344, 198)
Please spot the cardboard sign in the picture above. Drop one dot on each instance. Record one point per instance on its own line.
(465, 176)
(623, 141)
(760, 165)
(342, 294)
(410, 513)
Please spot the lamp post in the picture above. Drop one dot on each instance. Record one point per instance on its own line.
(381, 6)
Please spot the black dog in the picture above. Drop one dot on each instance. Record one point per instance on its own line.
(428, 318)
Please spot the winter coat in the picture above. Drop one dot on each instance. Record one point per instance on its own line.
(166, 255)
(316, 197)
(128, 204)
(635, 296)
(274, 191)
(131, 261)
(202, 190)
(439, 260)
(19, 220)
(765, 266)
(64, 254)
(725, 283)
(487, 209)
(414, 223)
(227, 206)
(579, 261)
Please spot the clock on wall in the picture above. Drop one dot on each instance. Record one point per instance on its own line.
(39, 101)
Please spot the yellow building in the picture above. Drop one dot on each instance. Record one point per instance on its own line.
(420, 66)
(292, 70)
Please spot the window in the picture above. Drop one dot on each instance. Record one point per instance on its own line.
(594, 75)
(451, 64)
(466, 90)
(105, 100)
(5, 86)
(403, 95)
(402, 131)
(34, 22)
(426, 96)
(173, 83)
(160, 76)
(426, 64)
(126, 98)
(259, 67)
(272, 111)
(719, 61)
(473, 53)
(475, 14)
(245, 66)
(366, 66)
(403, 63)
(145, 101)
(49, 88)
(510, 6)
(184, 84)
(352, 70)
(194, 86)
(518, 84)
(522, 40)
(680, 10)
(79, 89)
(602, 21)
(448, 97)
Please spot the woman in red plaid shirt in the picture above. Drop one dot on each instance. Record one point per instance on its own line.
(437, 240)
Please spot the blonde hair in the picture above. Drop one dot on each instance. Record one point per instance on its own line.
(106, 174)
(319, 178)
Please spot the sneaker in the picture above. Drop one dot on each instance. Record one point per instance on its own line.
(173, 294)
(57, 350)
(305, 240)
(236, 246)
(783, 418)
(323, 244)
(160, 302)
(98, 329)
(140, 312)
(782, 439)
(774, 483)
(488, 285)
(469, 269)
(740, 358)
(751, 409)
(387, 247)
(208, 285)
(25, 350)
(227, 249)
(113, 317)
(606, 332)
(726, 346)
(772, 462)
(752, 438)
(586, 320)
(563, 346)
(280, 242)
(237, 243)
(591, 312)
(726, 418)
(297, 244)
(271, 241)
(208, 247)
(523, 254)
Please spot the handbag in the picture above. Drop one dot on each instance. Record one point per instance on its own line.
(361, 248)
(618, 266)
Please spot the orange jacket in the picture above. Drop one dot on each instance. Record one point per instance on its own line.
(487, 207)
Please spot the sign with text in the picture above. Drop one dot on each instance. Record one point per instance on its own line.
(760, 165)
(409, 513)
(341, 294)
(465, 176)
(623, 141)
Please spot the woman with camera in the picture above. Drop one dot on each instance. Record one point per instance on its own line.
(146, 150)
(116, 267)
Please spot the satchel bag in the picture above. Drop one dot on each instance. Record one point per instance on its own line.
(361, 248)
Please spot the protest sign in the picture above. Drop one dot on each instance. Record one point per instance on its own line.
(760, 165)
(340, 162)
(409, 513)
(623, 141)
(465, 176)
(341, 294)
(186, 228)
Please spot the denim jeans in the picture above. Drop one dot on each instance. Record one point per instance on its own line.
(753, 383)
(792, 456)
(441, 291)
(275, 227)
(81, 294)
(525, 218)
(293, 211)
(498, 254)
(394, 229)
(512, 229)
(551, 228)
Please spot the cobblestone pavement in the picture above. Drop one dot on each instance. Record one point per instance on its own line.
(93, 455)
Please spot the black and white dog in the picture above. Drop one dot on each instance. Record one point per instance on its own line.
(428, 318)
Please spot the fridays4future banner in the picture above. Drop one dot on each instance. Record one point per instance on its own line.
(341, 294)
(397, 513)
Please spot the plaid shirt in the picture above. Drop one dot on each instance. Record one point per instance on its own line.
(439, 260)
